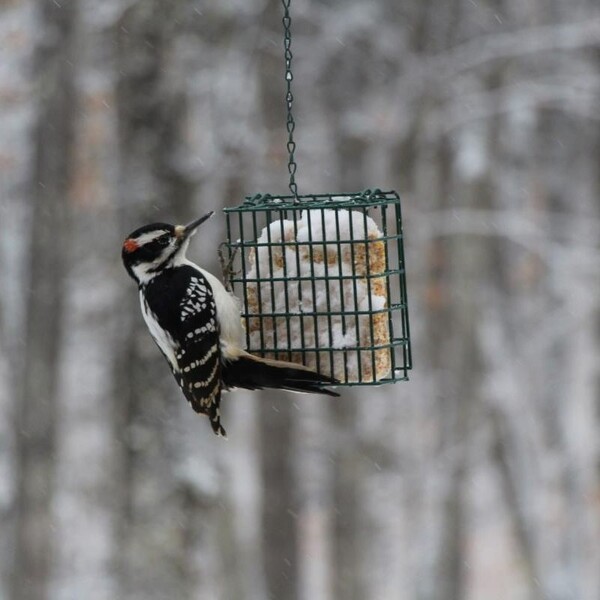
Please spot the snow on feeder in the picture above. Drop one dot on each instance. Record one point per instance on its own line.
(323, 283)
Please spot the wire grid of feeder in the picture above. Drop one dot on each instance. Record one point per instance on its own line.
(322, 278)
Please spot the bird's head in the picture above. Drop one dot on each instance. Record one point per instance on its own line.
(152, 248)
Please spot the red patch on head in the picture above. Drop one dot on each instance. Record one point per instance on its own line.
(130, 245)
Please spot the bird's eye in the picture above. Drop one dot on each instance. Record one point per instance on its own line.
(164, 240)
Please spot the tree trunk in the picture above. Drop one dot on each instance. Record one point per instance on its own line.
(150, 556)
(37, 416)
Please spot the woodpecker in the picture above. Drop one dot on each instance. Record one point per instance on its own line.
(196, 323)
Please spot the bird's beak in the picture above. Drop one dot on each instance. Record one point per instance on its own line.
(183, 232)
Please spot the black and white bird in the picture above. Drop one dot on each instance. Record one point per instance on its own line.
(196, 323)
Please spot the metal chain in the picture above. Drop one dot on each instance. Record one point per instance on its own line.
(289, 98)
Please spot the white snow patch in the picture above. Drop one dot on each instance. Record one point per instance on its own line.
(299, 270)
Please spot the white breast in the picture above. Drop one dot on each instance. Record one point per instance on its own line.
(161, 337)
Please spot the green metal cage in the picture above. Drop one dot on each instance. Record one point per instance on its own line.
(322, 281)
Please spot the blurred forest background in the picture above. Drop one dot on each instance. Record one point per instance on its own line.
(477, 480)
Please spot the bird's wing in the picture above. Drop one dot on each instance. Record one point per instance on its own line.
(195, 331)
(198, 358)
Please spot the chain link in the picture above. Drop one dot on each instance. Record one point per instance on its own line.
(289, 97)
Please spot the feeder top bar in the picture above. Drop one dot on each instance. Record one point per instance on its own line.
(261, 202)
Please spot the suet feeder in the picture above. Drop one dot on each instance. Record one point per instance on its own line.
(322, 276)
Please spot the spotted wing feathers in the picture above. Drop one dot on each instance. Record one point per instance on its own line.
(194, 328)
(199, 359)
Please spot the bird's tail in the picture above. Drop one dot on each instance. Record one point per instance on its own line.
(254, 373)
